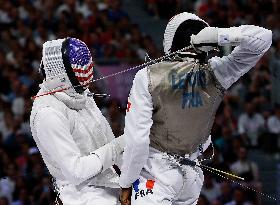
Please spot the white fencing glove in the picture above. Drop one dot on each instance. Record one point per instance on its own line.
(210, 37)
(109, 153)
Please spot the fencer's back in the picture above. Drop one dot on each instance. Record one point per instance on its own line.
(185, 97)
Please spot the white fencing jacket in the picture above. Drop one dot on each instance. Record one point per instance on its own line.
(77, 145)
(254, 42)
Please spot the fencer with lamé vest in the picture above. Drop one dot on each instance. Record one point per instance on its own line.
(173, 105)
(74, 138)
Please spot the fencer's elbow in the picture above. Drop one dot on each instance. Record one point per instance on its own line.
(256, 39)
(267, 39)
(80, 170)
(74, 178)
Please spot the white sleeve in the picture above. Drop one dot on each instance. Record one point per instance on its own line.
(255, 41)
(53, 132)
(138, 122)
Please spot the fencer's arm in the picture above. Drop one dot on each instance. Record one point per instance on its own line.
(53, 131)
(138, 121)
(251, 43)
(117, 159)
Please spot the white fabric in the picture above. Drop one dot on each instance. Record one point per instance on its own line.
(109, 153)
(138, 120)
(221, 36)
(172, 185)
(172, 27)
(255, 42)
(67, 138)
(60, 82)
(229, 36)
(89, 195)
(76, 102)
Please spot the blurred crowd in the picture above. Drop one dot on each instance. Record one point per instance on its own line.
(249, 117)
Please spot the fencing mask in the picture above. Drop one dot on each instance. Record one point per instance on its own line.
(67, 63)
(179, 30)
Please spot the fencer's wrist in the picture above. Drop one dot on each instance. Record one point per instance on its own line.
(98, 162)
(208, 35)
(205, 40)
(107, 154)
(229, 36)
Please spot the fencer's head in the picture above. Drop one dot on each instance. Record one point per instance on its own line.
(179, 30)
(67, 62)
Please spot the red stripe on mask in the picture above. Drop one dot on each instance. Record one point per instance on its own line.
(80, 70)
(83, 79)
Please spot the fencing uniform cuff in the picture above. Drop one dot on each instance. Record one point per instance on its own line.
(123, 184)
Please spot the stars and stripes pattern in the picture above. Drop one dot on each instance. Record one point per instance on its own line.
(84, 73)
(81, 61)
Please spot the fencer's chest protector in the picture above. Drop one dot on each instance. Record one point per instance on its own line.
(185, 97)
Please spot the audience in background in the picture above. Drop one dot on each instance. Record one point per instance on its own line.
(250, 124)
(239, 198)
(210, 189)
(114, 39)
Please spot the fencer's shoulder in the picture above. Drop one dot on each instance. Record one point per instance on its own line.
(141, 80)
(91, 102)
(141, 74)
(47, 106)
(49, 117)
(49, 113)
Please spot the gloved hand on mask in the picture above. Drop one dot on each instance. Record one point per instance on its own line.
(210, 37)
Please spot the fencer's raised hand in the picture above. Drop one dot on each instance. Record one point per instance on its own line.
(210, 37)
(206, 39)
(125, 196)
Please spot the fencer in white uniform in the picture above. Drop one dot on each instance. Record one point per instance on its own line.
(172, 106)
(74, 138)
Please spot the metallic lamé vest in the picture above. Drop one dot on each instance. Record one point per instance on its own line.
(185, 97)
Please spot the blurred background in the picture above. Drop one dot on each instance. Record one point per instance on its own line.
(120, 34)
